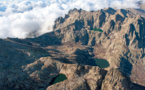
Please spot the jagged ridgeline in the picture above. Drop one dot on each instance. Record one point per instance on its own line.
(79, 41)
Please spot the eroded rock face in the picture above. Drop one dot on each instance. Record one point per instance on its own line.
(115, 80)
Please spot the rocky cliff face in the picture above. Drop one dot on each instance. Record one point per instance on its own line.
(32, 63)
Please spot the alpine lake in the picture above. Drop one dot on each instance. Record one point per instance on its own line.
(57, 79)
(102, 63)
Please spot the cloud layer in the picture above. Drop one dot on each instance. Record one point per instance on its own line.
(29, 18)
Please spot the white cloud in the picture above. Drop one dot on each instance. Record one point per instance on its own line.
(21, 18)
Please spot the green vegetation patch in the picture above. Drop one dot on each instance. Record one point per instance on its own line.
(102, 63)
(96, 29)
(59, 78)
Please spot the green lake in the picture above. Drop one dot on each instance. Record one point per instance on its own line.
(59, 78)
(96, 29)
(102, 63)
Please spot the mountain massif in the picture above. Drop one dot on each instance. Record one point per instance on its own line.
(118, 36)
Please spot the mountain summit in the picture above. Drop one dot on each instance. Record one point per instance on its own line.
(80, 41)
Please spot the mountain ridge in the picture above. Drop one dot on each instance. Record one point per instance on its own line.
(70, 48)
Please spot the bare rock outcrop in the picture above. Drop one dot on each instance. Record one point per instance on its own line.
(115, 80)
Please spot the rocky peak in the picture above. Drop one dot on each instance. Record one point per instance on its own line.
(110, 10)
(75, 10)
(96, 19)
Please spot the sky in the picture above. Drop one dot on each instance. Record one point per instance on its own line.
(25, 18)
